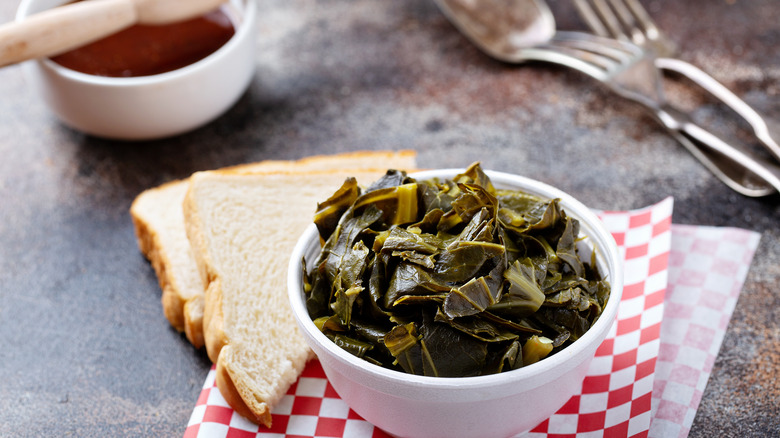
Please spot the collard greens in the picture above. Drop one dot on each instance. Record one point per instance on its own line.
(450, 278)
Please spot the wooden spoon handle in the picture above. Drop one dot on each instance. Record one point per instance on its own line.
(60, 29)
(155, 12)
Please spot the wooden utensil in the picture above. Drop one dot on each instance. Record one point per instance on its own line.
(63, 28)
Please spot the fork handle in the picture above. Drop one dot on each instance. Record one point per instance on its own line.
(746, 175)
(761, 127)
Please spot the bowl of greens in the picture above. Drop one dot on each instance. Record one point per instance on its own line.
(455, 302)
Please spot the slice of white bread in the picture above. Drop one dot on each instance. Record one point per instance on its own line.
(159, 226)
(242, 229)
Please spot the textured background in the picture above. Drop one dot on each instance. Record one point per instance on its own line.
(85, 349)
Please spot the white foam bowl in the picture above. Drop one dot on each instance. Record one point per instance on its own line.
(148, 107)
(493, 406)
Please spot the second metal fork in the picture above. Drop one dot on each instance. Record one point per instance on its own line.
(627, 20)
(630, 71)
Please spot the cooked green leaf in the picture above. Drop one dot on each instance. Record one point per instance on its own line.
(411, 279)
(354, 346)
(523, 296)
(451, 352)
(478, 293)
(399, 203)
(329, 212)
(400, 239)
(566, 249)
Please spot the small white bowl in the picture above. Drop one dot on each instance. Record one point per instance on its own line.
(493, 406)
(148, 107)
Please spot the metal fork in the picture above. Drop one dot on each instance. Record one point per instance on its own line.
(627, 20)
(630, 71)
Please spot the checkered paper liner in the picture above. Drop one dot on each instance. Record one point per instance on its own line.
(615, 399)
(707, 267)
(620, 394)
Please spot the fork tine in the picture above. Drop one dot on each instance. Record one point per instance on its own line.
(601, 19)
(644, 24)
(611, 52)
(643, 18)
(621, 65)
(630, 20)
(609, 18)
(591, 18)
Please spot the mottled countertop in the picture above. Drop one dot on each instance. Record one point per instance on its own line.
(84, 347)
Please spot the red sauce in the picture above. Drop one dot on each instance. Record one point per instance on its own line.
(148, 50)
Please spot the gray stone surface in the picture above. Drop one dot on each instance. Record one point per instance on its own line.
(85, 348)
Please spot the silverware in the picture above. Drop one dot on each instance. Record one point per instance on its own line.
(517, 31)
(627, 20)
(630, 72)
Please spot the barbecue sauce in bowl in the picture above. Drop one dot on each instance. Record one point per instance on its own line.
(143, 50)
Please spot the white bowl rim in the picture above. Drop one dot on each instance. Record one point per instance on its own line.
(247, 18)
(609, 254)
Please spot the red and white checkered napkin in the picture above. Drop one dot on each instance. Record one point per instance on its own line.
(619, 394)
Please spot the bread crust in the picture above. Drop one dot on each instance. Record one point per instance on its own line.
(149, 242)
(214, 321)
(211, 325)
(193, 321)
(260, 411)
